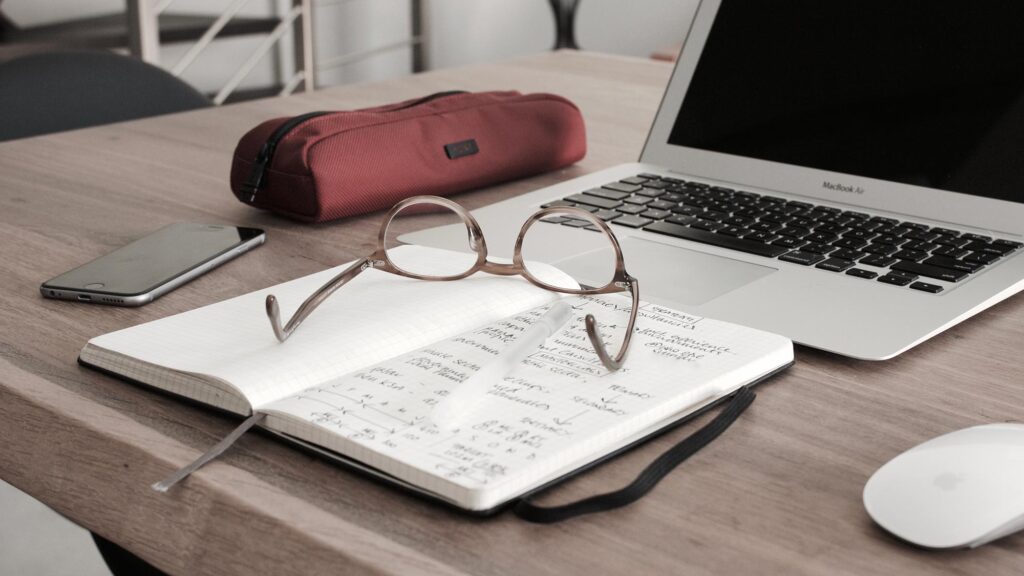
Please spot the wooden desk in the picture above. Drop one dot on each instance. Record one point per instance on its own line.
(779, 492)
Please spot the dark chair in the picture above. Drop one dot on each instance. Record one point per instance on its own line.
(57, 91)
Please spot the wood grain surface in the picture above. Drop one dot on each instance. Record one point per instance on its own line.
(780, 492)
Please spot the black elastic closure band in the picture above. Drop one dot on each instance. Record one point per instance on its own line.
(648, 478)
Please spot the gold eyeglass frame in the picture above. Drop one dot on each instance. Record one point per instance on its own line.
(621, 280)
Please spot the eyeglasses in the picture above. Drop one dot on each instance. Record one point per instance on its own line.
(474, 260)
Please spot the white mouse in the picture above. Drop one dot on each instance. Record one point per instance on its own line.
(962, 489)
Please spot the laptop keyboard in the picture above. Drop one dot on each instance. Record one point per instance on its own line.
(857, 244)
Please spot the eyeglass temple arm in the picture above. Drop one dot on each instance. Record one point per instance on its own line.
(310, 304)
(613, 364)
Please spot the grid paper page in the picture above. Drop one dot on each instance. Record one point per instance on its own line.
(374, 317)
(557, 411)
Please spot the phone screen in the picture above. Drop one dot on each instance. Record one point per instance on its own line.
(154, 260)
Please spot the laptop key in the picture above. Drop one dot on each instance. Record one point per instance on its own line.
(926, 287)
(787, 242)
(859, 234)
(955, 242)
(631, 208)
(1009, 243)
(649, 176)
(554, 219)
(713, 239)
(607, 215)
(681, 219)
(982, 257)
(831, 228)
(801, 257)
(865, 225)
(595, 201)
(854, 243)
(559, 203)
(794, 232)
(575, 223)
(861, 273)
(912, 255)
(878, 260)
(622, 187)
(977, 246)
(632, 221)
(1000, 248)
(641, 200)
(895, 279)
(656, 214)
(922, 235)
(817, 248)
(651, 192)
(953, 264)
(950, 252)
(734, 231)
(762, 237)
(888, 239)
(777, 218)
(739, 220)
(765, 227)
(822, 238)
(709, 225)
(919, 245)
(605, 193)
(883, 249)
(634, 180)
(884, 221)
(835, 264)
(915, 225)
(688, 210)
(661, 205)
(847, 254)
(976, 237)
(930, 271)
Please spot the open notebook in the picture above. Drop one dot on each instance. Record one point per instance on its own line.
(361, 376)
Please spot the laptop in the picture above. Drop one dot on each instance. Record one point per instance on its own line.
(847, 173)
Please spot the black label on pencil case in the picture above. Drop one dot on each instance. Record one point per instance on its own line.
(460, 149)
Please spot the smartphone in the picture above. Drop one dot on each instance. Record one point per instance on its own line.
(152, 266)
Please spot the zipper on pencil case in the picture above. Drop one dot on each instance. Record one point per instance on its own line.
(266, 154)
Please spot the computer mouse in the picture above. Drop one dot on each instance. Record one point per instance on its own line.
(959, 490)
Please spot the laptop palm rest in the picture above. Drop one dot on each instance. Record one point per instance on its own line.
(670, 273)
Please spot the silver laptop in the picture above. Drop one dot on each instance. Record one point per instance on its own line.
(848, 173)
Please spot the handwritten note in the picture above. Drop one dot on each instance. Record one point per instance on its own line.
(558, 409)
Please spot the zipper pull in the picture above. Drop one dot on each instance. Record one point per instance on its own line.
(258, 169)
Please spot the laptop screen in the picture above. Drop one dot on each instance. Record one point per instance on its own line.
(927, 92)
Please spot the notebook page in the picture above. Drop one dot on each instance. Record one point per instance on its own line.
(557, 411)
(374, 317)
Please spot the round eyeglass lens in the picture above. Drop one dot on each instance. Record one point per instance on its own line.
(459, 257)
(569, 251)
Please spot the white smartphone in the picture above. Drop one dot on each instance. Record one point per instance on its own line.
(152, 266)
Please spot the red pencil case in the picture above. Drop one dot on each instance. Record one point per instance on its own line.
(326, 165)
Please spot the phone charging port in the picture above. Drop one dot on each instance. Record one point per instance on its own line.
(84, 298)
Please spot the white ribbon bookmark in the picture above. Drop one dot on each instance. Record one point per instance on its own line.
(218, 449)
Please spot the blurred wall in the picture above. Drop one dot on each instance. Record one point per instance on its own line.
(459, 32)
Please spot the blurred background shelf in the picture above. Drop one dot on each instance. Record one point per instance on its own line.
(113, 30)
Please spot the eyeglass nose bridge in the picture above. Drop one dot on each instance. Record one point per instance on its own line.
(501, 268)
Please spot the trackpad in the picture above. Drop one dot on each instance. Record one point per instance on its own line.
(672, 274)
